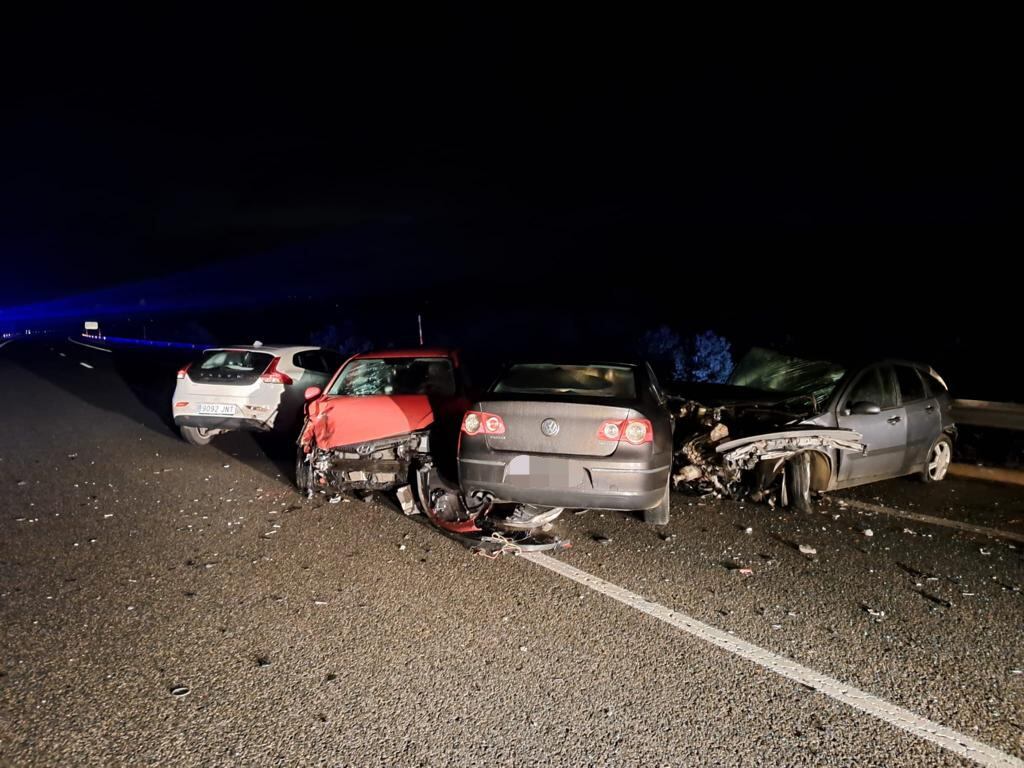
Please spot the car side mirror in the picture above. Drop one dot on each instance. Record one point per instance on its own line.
(864, 408)
(312, 393)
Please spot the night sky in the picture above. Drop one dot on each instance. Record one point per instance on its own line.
(523, 185)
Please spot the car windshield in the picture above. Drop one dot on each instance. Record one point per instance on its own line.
(395, 376)
(790, 377)
(552, 379)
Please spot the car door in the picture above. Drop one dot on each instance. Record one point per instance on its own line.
(884, 433)
(922, 413)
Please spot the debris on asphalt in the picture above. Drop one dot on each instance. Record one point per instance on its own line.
(334, 500)
(746, 571)
(180, 690)
(868, 532)
(876, 614)
(748, 530)
(262, 661)
(985, 551)
(807, 550)
(401, 547)
(22, 482)
(405, 498)
(603, 540)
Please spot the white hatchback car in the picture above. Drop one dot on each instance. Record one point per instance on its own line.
(256, 388)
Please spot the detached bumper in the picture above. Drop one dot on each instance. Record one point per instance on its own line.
(223, 422)
(559, 481)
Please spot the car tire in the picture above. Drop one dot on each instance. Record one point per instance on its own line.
(660, 514)
(940, 456)
(196, 435)
(798, 483)
(303, 471)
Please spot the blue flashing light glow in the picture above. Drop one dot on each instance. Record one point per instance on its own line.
(145, 342)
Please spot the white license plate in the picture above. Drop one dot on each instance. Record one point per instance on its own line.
(217, 409)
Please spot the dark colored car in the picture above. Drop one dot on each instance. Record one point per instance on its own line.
(378, 416)
(571, 435)
(822, 425)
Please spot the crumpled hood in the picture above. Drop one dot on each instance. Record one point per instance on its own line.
(338, 421)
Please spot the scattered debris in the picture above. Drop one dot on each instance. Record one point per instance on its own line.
(334, 500)
(748, 530)
(807, 550)
(746, 571)
(262, 661)
(985, 551)
(406, 500)
(876, 614)
(603, 540)
(179, 691)
(868, 532)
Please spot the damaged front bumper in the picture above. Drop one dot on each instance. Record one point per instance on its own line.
(709, 462)
(377, 465)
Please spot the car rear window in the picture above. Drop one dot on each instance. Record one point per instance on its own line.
(395, 376)
(230, 366)
(617, 381)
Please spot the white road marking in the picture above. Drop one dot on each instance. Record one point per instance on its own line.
(90, 346)
(930, 520)
(5, 343)
(84, 365)
(946, 738)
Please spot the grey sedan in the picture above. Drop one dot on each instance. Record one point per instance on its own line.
(549, 436)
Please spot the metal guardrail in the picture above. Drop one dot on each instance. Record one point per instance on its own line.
(984, 413)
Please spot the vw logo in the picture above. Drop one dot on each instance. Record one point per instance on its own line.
(549, 427)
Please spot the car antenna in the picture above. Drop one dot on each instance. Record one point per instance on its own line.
(419, 322)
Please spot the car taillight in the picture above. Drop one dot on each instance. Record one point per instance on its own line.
(635, 431)
(183, 371)
(477, 422)
(274, 376)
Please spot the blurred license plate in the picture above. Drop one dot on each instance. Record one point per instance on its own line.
(217, 409)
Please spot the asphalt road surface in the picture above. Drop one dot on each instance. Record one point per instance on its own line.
(311, 633)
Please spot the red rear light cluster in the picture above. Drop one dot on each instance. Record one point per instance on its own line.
(274, 376)
(480, 423)
(635, 431)
(183, 371)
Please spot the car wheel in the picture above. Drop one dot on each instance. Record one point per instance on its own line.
(940, 456)
(196, 435)
(798, 483)
(303, 471)
(659, 515)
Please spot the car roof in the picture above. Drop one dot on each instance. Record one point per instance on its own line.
(268, 348)
(387, 354)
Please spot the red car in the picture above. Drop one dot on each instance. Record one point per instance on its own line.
(379, 418)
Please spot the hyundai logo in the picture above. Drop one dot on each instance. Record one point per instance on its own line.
(364, 450)
(549, 427)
